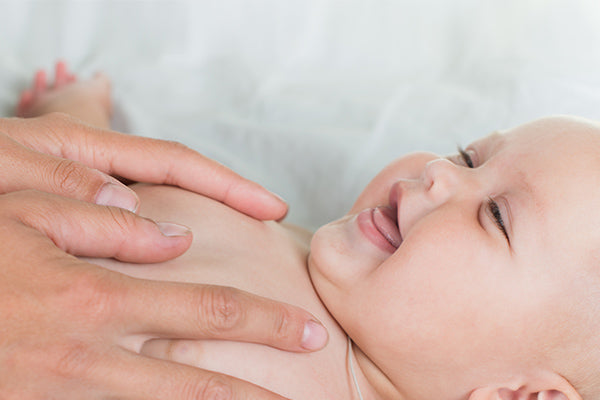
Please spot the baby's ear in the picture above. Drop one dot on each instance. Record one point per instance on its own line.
(551, 395)
(534, 385)
(490, 393)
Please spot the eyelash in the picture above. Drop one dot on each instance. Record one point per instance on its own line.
(466, 157)
(492, 205)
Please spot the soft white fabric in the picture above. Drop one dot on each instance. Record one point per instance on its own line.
(312, 98)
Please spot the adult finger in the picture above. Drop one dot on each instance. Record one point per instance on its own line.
(149, 378)
(145, 160)
(216, 312)
(23, 168)
(86, 229)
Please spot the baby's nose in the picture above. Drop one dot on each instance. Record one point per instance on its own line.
(441, 177)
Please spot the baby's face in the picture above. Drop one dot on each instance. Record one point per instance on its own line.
(470, 272)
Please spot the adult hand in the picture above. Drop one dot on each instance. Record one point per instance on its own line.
(72, 330)
(59, 154)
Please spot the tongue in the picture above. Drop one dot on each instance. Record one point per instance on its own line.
(386, 224)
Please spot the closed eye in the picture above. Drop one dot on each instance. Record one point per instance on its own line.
(497, 215)
(466, 157)
(492, 205)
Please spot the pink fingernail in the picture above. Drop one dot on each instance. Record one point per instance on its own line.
(170, 229)
(117, 196)
(278, 197)
(315, 336)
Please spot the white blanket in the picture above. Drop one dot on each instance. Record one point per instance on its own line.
(312, 98)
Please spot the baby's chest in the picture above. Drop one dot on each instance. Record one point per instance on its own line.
(230, 249)
(270, 274)
(296, 376)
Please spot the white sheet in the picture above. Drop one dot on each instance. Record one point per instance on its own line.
(311, 98)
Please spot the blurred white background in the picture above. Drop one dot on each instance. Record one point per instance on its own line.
(312, 98)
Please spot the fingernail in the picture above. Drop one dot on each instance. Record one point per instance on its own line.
(117, 196)
(315, 336)
(283, 202)
(278, 196)
(170, 229)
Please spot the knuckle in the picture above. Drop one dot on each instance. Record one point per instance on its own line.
(62, 128)
(57, 126)
(220, 310)
(283, 326)
(178, 151)
(73, 360)
(68, 176)
(90, 295)
(214, 387)
(123, 219)
(177, 146)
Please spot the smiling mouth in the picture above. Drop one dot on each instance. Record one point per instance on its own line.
(380, 227)
(385, 220)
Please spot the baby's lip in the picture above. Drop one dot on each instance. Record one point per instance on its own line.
(381, 224)
(385, 220)
(378, 225)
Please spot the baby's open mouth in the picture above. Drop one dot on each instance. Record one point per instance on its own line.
(386, 222)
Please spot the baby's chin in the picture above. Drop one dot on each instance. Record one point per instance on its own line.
(340, 257)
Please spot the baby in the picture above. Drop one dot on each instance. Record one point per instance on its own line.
(474, 276)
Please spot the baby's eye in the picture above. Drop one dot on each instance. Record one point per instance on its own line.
(465, 157)
(497, 217)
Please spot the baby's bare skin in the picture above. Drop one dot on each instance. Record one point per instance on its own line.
(264, 258)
